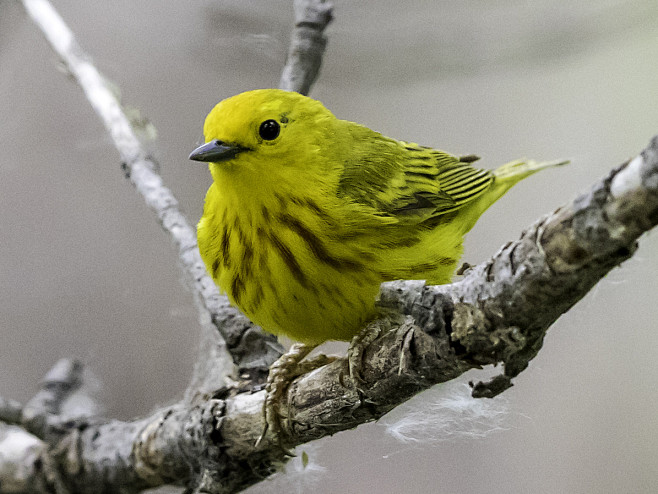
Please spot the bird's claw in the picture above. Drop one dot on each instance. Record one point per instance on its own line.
(357, 348)
(282, 373)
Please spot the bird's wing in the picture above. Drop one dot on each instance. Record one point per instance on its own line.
(411, 183)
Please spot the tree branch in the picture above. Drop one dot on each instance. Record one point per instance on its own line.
(499, 313)
(27, 464)
(24, 463)
(11, 411)
(64, 379)
(307, 45)
(48, 407)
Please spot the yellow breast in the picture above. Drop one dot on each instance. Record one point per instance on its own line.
(272, 263)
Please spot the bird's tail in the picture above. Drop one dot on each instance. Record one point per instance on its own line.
(509, 174)
(520, 169)
(505, 177)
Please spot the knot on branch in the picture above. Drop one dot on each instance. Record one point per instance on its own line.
(313, 13)
(484, 337)
(254, 353)
(492, 388)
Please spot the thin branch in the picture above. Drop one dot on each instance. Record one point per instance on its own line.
(44, 413)
(11, 411)
(141, 168)
(64, 379)
(307, 45)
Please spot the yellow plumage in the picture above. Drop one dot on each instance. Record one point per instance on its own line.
(308, 214)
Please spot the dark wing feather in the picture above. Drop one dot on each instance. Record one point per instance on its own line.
(409, 182)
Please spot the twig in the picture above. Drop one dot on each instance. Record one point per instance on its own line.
(307, 45)
(42, 412)
(141, 168)
(59, 383)
(11, 412)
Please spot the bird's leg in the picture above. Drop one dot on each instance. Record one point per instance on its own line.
(282, 373)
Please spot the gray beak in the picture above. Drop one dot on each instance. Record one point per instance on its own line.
(216, 151)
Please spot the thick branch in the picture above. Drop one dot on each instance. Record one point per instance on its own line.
(22, 465)
(499, 313)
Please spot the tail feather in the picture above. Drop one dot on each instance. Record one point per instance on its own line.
(520, 169)
(505, 177)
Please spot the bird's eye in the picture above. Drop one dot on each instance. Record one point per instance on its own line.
(269, 130)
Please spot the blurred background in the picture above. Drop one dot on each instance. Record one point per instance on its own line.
(86, 272)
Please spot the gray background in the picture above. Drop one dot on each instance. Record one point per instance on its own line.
(86, 271)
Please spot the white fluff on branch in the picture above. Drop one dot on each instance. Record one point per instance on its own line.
(446, 412)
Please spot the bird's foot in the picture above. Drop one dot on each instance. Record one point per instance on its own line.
(282, 373)
(358, 347)
(463, 269)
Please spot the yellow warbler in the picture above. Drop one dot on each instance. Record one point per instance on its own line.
(308, 214)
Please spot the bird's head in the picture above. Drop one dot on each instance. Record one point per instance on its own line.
(266, 134)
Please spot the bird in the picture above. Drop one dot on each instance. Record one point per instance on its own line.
(308, 214)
